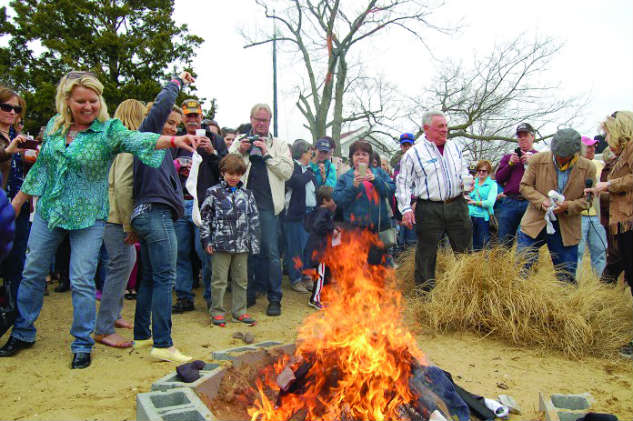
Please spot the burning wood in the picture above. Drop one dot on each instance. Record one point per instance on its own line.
(355, 359)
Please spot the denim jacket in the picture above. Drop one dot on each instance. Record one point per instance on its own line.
(230, 220)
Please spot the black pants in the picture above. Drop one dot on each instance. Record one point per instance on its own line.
(625, 243)
(433, 219)
(615, 262)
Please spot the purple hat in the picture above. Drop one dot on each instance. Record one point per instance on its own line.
(586, 140)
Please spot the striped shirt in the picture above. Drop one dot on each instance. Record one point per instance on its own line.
(427, 174)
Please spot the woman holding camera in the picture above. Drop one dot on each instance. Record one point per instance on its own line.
(14, 167)
(481, 201)
(363, 192)
(70, 179)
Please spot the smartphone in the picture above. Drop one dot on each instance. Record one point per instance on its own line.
(362, 168)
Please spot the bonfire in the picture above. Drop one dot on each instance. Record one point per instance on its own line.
(355, 359)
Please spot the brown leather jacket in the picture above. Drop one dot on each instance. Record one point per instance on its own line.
(621, 192)
(539, 178)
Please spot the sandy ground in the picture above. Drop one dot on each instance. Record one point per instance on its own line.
(38, 384)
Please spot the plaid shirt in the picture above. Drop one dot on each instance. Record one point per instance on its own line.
(230, 220)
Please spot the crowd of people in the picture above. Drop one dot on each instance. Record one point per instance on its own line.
(160, 192)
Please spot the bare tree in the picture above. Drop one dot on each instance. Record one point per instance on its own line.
(485, 102)
(325, 34)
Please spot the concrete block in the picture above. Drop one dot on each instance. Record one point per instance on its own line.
(180, 404)
(172, 381)
(268, 344)
(574, 402)
(564, 407)
(227, 354)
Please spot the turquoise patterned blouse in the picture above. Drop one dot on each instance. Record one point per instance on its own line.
(72, 181)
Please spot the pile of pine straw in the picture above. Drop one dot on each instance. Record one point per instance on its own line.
(483, 292)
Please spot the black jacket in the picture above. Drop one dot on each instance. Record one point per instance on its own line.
(320, 225)
(296, 210)
(159, 185)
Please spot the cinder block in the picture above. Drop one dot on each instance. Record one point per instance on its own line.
(251, 354)
(172, 381)
(226, 354)
(564, 407)
(180, 404)
(574, 402)
(268, 344)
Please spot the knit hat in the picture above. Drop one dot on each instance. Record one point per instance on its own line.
(565, 143)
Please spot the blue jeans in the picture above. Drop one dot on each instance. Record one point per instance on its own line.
(481, 232)
(296, 239)
(188, 235)
(42, 244)
(563, 258)
(155, 229)
(12, 266)
(406, 236)
(509, 213)
(264, 269)
(594, 235)
(120, 264)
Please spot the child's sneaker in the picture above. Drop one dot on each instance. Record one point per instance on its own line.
(315, 304)
(218, 320)
(245, 318)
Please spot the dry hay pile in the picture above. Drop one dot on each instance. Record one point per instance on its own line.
(483, 292)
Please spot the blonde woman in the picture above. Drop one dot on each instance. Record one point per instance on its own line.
(70, 179)
(618, 128)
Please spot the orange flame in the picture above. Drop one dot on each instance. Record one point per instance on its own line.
(359, 350)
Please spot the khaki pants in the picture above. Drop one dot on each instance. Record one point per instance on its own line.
(237, 263)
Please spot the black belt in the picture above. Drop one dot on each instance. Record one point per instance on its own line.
(515, 197)
(440, 201)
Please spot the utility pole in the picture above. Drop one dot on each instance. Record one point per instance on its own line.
(275, 78)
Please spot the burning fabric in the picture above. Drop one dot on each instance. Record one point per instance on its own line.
(355, 360)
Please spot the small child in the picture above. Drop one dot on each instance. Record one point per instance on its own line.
(229, 232)
(319, 224)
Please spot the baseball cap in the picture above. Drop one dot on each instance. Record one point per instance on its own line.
(525, 127)
(565, 143)
(586, 140)
(407, 138)
(323, 145)
(191, 106)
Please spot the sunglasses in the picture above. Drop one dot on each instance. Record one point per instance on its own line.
(79, 75)
(482, 171)
(8, 107)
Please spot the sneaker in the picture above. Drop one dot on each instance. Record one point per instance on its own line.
(308, 283)
(245, 318)
(218, 320)
(182, 305)
(627, 350)
(315, 304)
(274, 309)
(169, 354)
(299, 287)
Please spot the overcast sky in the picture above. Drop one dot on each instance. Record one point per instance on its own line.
(597, 56)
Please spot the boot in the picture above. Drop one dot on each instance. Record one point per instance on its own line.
(64, 284)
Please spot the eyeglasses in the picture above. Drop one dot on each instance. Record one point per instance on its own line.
(79, 75)
(8, 107)
(261, 120)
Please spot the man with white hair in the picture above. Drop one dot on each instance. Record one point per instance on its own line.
(432, 170)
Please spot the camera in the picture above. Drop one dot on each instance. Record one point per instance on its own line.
(255, 152)
(29, 143)
(518, 152)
